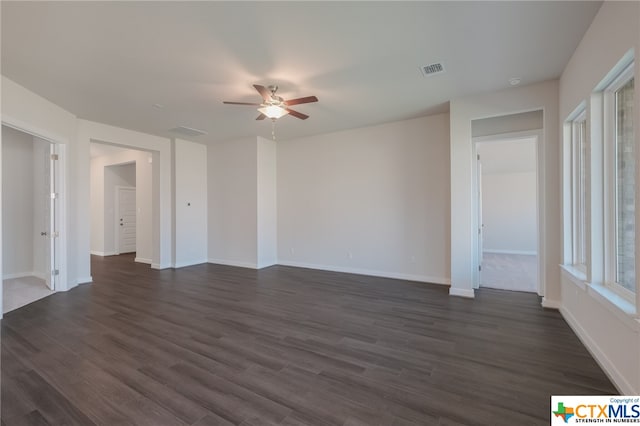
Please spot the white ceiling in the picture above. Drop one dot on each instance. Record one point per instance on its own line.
(111, 61)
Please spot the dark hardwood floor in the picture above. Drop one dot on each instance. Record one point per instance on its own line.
(216, 345)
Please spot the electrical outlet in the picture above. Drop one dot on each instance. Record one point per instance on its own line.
(292, 250)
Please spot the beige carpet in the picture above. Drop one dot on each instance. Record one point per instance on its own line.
(17, 292)
(515, 272)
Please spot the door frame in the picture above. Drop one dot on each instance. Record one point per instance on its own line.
(61, 173)
(52, 227)
(537, 135)
(116, 222)
(480, 219)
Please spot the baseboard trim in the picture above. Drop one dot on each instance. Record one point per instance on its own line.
(23, 275)
(369, 272)
(265, 265)
(331, 268)
(191, 263)
(497, 251)
(103, 253)
(143, 260)
(40, 275)
(233, 263)
(551, 304)
(598, 354)
(159, 266)
(84, 280)
(462, 292)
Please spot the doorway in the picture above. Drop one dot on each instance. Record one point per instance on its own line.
(30, 198)
(122, 204)
(507, 211)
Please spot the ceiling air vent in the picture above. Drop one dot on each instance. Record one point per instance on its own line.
(187, 131)
(432, 69)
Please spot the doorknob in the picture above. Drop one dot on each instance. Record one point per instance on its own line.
(43, 233)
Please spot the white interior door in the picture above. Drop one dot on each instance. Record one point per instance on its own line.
(126, 219)
(48, 196)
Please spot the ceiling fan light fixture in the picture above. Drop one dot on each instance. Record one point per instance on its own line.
(273, 111)
(274, 106)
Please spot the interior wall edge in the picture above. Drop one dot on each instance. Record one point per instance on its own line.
(370, 272)
(236, 263)
(184, 264)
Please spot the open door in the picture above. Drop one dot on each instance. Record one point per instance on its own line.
(49, 199)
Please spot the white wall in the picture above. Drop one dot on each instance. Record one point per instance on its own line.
(24, 196)
(372, 200)
(104, 177)
(31, 113)
(519, 122)
(232, 189)
(267, 203)
(509, 194)
(18, 203)
(191, 203)
(27, 111)
(509, 212)
(464, 256)
(161, 193)
(611, 334)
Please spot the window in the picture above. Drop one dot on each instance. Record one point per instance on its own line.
(625, 187)
(619, 136)
(599, 181)
(579, 190)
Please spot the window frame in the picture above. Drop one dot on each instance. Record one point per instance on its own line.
(579, 188)
(610, 175)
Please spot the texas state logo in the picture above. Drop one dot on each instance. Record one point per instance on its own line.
(565, 413)
(582, 409)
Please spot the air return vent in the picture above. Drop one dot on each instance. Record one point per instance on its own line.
(187, 131)
(432, 69)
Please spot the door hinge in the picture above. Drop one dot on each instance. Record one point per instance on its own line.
(55, 272)
(54, 195)
(478, 157)
(54, 156)
(479, 267)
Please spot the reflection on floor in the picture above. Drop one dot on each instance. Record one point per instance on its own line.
(18, 292)
(517, 272)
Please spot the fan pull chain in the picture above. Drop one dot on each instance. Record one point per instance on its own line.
(273, 128)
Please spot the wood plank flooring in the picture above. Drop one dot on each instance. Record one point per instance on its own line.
(215, 345)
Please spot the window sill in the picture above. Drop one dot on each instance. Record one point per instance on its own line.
(607, 298)
(576, 275)
(612, 298)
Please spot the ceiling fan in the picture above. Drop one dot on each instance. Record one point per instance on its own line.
(273, 106)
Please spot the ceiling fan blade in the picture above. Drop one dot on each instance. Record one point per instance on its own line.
(261, 117)
(305, 100)
(297, 114)
(264, 92)
(240, 103)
